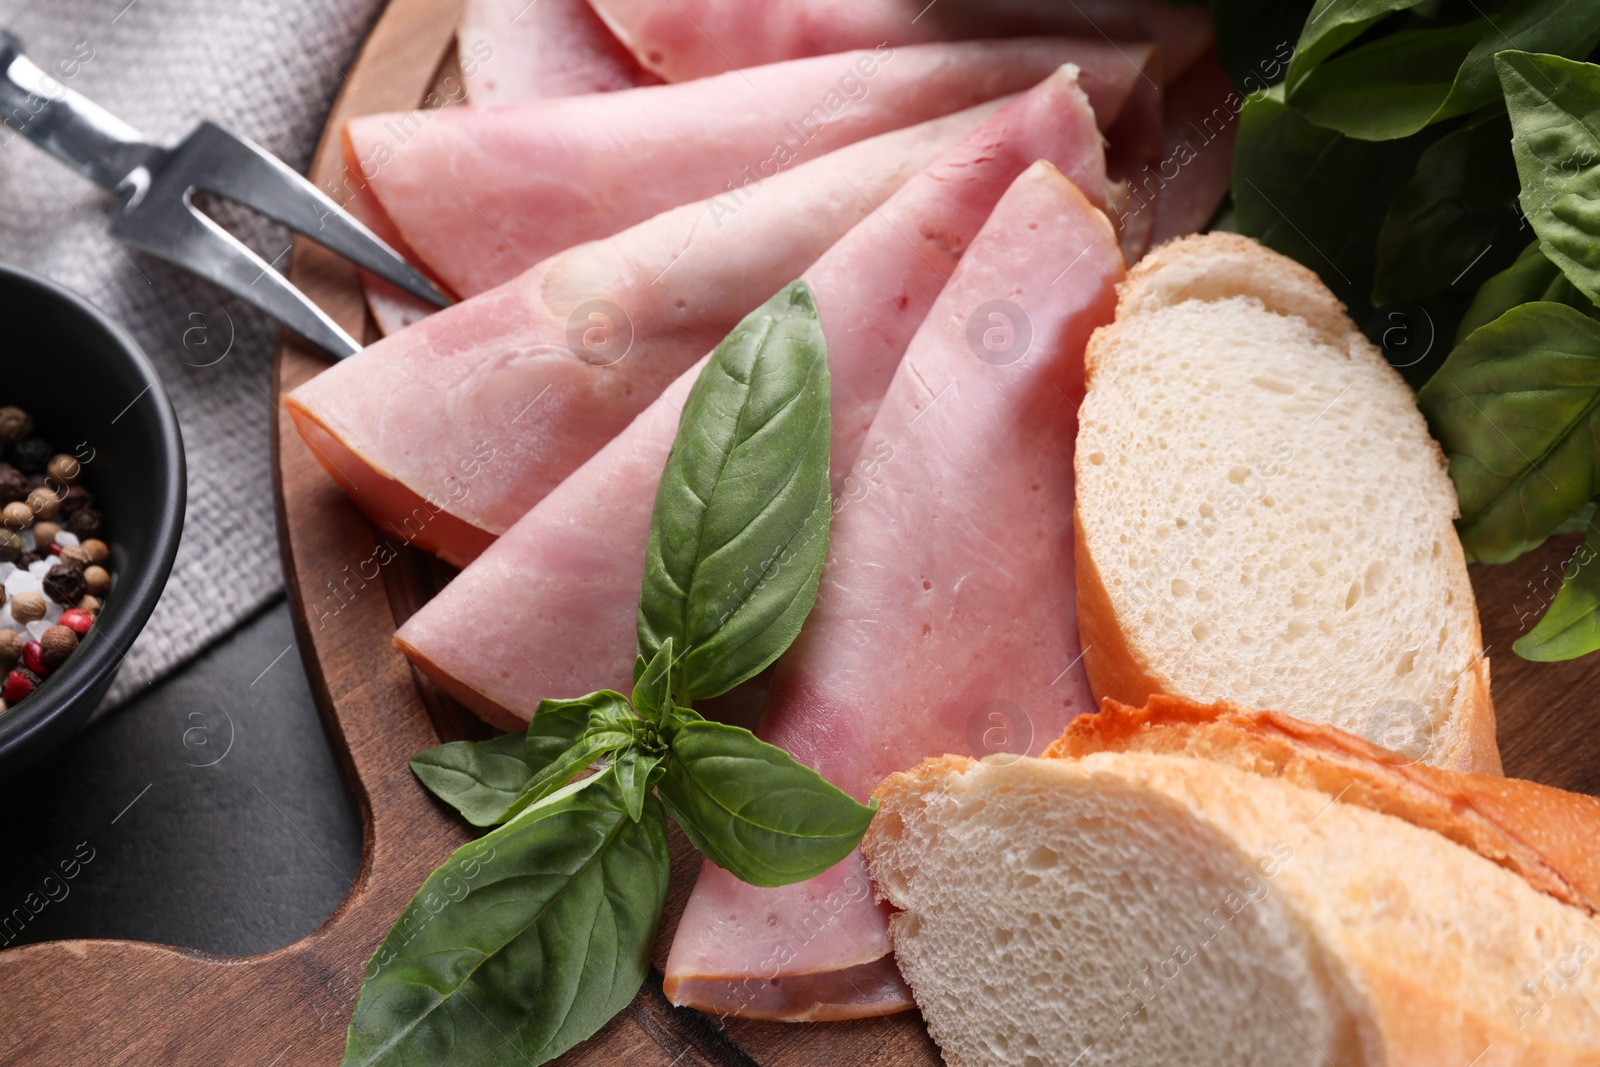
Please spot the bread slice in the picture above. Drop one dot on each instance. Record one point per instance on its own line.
(1133, 908)
(1544, 834)
(1262, 516)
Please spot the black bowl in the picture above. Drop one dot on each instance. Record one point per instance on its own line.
(92, 393)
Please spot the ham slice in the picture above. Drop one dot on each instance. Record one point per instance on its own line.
(506, 52)
(392, 308)
(565, 579)
(945, 620)
(1196, 167)
(694, 38)
(483, 194)
(511, 50)
(448, 432)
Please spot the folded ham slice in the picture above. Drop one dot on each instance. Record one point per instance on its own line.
(448, 432)
(562, 585)
(507, 51)
(482, 194)
(694, 38)
(945, 620)
(513, 50)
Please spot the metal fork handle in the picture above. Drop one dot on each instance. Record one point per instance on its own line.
(78, 131)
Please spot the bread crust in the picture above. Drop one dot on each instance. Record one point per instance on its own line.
(1544, 834)
(1414, 1021)
(1211, 266)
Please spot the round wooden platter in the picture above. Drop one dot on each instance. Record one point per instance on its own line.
(114, 1002)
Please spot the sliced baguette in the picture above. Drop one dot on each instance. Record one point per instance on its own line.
(1263, 517)
(1135, 908)
(1544, 834)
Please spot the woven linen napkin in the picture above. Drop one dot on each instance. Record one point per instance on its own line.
(268, 69)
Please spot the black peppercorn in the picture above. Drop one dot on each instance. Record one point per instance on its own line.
(13, 484)
(32, 454)
(65, 585)
(15, 424)
(76, 499)
(85, 523)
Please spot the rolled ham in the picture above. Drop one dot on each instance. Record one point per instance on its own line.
(694, 38)
(562, 585)
(945, 620)
(482, 194)
(448, 432)
(511, 50)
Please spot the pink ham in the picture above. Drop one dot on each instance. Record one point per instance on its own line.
(694, 38)
(562, 585)
(945, 621)
(392, 308)
(1196, 167)
(448, 432)
(482, 194)
(512, 50)
(507, 51)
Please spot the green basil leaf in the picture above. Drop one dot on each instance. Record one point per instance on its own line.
(1515, 408)
(522, 943)
(652, 695)
(1396, 85)
(1571, 626)
(1314, 194)
(1331, 25)
(1523, 282)
(557, 725)
(637, 772)
(480, 779)
(1457, 214)
(1393, 86)
(487, 780)
(565, 767)
(1555, 113)
(751, 809)
(1580, 521)
(678, 716)
(1531, 277)
(740, 527)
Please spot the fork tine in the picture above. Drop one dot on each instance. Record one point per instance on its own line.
(228, 165)
(178, 233)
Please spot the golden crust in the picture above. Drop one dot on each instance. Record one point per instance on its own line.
(1544, 834)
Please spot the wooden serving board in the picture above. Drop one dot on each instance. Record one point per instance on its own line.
(117, 1002)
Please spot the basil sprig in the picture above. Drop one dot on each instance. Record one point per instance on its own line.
(1409, 155)
(531, 938)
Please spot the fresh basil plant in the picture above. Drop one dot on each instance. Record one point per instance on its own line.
(529, 939)
(1441, 172)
